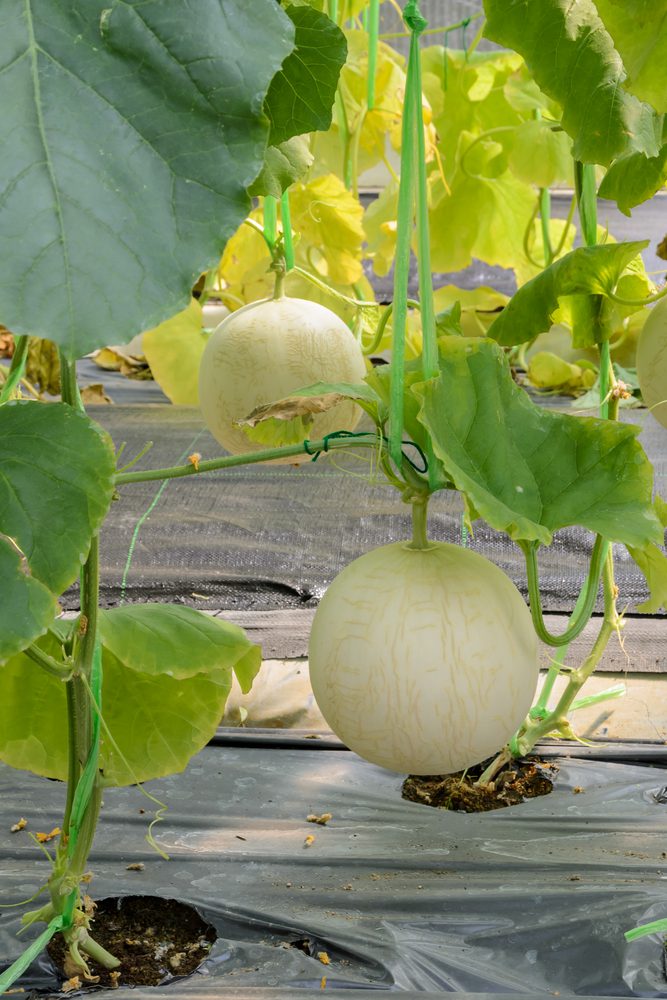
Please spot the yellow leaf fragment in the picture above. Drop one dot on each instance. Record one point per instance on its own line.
(21, 825)
(323, 958)
(320, 820)
(44, 838)
(71, 984)
(195, 459)
(309, 841)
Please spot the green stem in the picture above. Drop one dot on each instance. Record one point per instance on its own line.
(639, 303)
(434, 31)
(382, 324)
(534, 730)
(545, 218)
(478, 139)
(358, 303)
(419, 524)
(541, 706)
(288, 242)
(577, 625)
(69, 390)
(251, 458)
(566, 228)
(270, 230)
(16, 368)
(47, 663)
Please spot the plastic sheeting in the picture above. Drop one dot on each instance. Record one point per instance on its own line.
(262, 537)
(533, 899)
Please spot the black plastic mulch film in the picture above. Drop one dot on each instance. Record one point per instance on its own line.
(272, 537)
(530, 900)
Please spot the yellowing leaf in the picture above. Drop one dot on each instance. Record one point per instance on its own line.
(173, 350)
(330, 219)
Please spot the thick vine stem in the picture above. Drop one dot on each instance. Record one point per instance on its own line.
(249, 458)
(419, 523)
(576, 627)
(535, 729)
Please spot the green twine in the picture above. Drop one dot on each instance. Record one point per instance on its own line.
(149, 510)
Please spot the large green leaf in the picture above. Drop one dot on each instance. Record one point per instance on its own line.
(27, 606)
(573, 59)
(526, 470)
(639, 31)
(301, 95)
(585, 272)
(283, 165)
(129, 134)
(56, 483)
(633, 179)
(167, 674)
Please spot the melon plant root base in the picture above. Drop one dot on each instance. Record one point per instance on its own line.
(532, 899)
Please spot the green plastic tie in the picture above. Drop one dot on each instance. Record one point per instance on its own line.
(287, 230)
(413, 17)
(17, 968)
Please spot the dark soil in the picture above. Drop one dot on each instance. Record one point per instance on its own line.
(519, 781)
(155, 940)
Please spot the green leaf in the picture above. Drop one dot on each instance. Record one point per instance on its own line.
(174, 350)
(639, 31)
(301, 95)
(27, 606)
(530, 471)
(573, 59)
(56, 483)
(653, 564)
(167, 675)
(585, 272)
(167, 672)
(109, 215)
(283, 165)
(633, 179)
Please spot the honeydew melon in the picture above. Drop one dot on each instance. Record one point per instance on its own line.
(423, 661)
(262, 353)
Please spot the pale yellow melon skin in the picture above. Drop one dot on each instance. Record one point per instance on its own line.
(652, 361)
(423, 661)
(262, 353)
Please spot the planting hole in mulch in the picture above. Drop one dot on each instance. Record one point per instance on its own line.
(154, 939)
(516, 782)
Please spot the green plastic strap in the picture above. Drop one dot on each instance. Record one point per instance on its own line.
(373, 28)
(656, 927)
(17, 968)
(404, 227)
(287, 230)
(270, 220)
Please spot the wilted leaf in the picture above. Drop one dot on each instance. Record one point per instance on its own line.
(174, 350)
